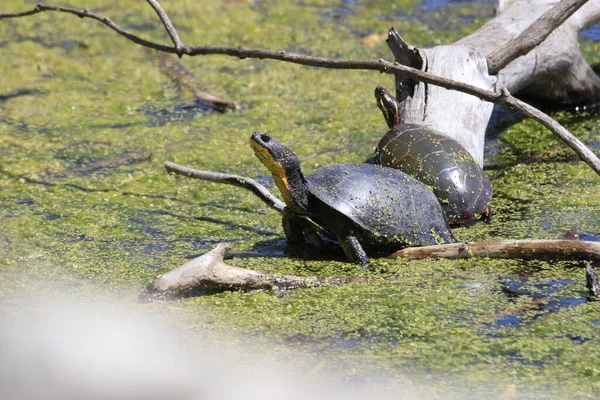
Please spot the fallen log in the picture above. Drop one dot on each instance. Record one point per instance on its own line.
(530, 49)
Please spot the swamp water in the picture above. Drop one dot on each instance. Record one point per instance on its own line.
(87, 211)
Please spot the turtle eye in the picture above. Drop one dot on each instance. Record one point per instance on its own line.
(265, 138)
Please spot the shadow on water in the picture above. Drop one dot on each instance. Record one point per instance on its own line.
(160, 116)
(22, 92)
(543, 297)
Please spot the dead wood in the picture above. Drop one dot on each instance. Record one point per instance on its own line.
(533, 35)
(520, 249)
(229, 179)
(209, 273)
(592, 283)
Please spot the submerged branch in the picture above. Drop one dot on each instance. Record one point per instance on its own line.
(504, 99)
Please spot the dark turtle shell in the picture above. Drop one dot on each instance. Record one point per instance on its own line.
(389, 208)
(460, 184)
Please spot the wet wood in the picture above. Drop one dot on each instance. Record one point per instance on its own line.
(209, 273)
(512, 249)
(531, 49)
(229, 179)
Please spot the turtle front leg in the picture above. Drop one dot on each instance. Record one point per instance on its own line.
(291, 227)
(295, 229)
(354, 251)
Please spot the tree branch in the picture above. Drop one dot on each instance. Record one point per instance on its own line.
(246, 183)
(85, 13)
(168, 25)
(503, 99)
(533, 35)
(521, 249)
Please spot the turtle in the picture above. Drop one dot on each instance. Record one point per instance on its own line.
(364, 207)
(460, 184)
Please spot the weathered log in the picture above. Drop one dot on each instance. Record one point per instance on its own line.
(554, 71)
(456, 114)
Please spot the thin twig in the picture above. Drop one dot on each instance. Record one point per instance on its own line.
(533, 35)
(168, 25)
(503, 99)
(250, 184)
(85, 13)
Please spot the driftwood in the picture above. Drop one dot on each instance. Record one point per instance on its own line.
(427, 105)
(210, 274)
(526, 49)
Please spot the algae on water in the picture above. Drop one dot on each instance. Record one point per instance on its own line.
(87, 122)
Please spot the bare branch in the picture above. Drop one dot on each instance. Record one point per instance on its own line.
(85, 13)
(520, 249)
(567, 137)
(249, 184)
(533, 35)
(168, 25)
(503, 99)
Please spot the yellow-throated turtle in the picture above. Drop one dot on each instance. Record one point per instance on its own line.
(360, 205)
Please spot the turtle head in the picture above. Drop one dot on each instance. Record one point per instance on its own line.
(285, 168)
(389, 106)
